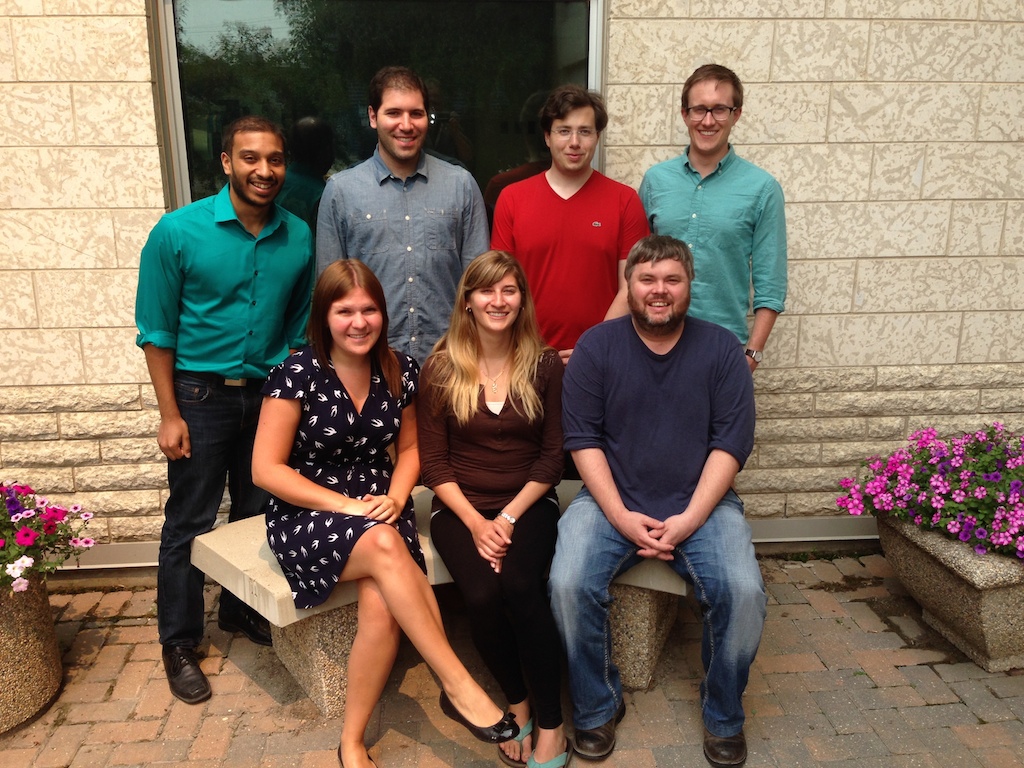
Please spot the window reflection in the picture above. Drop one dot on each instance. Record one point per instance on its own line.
(295, 59)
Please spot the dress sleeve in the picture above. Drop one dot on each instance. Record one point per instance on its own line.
(410, 379)
(291, 378)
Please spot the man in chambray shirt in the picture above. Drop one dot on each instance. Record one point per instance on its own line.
(415, 220)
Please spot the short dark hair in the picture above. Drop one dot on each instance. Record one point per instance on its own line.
(251, 124)
(565, 98)
(398, 78)
(655, 248)
(718, 73)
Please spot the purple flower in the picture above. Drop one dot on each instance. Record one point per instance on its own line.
(980, 549)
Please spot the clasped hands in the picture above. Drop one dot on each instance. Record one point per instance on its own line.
(655, 539)
(382, 508)
(492, 539)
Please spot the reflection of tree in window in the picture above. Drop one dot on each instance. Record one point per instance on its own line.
(317, 57)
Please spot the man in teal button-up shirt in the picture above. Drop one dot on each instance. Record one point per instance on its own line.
(727, 210)
(224, 290)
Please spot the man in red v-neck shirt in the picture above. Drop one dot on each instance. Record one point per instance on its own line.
(571, 227)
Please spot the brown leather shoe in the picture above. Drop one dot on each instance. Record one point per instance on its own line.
(598, 743)
(725, 752)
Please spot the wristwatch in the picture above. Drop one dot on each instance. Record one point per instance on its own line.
(754, 354)
(507, 518)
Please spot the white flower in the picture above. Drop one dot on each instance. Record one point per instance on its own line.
(19, 585)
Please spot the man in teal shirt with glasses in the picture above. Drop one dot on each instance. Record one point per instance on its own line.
(224, 292)
(727, 210)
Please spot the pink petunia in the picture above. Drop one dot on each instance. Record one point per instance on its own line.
(26, 537)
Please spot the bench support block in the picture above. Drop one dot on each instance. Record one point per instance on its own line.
(641, 620)
(315, 651)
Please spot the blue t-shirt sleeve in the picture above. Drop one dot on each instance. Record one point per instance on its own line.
(732, 404)
(583, 396)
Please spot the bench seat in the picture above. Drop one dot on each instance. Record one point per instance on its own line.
(313, 643)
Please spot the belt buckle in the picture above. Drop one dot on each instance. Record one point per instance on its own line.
(235, 382)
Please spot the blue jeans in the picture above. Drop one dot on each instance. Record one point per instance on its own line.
(718, 559)
(222, 426)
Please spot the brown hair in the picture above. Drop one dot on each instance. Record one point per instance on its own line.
(251, 124)
(565, 98)
(718, 73)
(655, 248)
(336, 282)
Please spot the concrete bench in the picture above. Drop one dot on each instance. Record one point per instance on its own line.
(313, 644)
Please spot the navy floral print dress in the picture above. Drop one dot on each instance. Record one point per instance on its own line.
(341, 449)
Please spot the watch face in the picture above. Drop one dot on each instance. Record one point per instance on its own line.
(755, 355)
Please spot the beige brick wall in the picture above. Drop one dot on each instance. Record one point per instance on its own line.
(893, 125)
(895, 129)
(83, 187)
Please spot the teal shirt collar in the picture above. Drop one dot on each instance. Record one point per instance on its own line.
(724, 163)
(224, 211)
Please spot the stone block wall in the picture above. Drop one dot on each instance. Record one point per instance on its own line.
(895, 130)
(82, 188)
(894, 127)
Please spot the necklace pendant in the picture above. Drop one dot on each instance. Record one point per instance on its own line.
(494, 387)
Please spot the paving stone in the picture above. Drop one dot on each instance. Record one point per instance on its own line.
(981, 701)
(867, 620)
(838, 706)
(786, 594)
(851, 566)
(963, 671)
(929, 685)
(939, 715)
(845, 747)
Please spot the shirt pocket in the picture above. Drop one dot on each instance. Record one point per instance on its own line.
(442, 229)
(370, 232)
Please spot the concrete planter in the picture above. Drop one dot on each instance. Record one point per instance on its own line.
(30, 663)
(974, 601)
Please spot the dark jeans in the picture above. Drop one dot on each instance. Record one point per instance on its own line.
(222, 425)
(509, 613)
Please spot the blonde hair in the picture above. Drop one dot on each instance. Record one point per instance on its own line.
(455, 359)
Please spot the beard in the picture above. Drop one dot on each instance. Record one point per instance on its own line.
(665, 326)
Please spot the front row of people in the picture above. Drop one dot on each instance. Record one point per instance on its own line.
(658, 413)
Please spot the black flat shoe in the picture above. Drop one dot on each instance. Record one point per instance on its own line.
(504, 730)
(248, 622)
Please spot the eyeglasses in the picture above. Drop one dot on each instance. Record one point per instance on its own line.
(583, 133)
(720, 113)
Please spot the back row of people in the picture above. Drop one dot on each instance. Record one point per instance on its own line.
(213, 319)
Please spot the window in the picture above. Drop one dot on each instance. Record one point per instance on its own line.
(487, 65)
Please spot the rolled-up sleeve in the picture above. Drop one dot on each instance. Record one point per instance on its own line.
(159, 289)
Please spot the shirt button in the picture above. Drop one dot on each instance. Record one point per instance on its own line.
(369, 216)
(407, 217)
(412, 309)
(693, 215)
(412, 338)
(254, 303)
(700, 186)
(410, 279)
(408, 247)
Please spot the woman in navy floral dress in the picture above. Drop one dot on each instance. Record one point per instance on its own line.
(340, 511)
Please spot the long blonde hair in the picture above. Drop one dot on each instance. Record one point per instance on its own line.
(455, 359)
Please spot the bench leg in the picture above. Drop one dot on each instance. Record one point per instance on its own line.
(641, 620)
(315, 651)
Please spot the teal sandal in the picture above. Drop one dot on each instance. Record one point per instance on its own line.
(560, 761)
(525, 731)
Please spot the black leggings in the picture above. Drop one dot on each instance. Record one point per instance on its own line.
(509, 612)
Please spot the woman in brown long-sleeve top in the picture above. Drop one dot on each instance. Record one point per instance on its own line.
(491, 448)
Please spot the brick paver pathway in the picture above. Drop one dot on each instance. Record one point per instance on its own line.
(847, 675)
